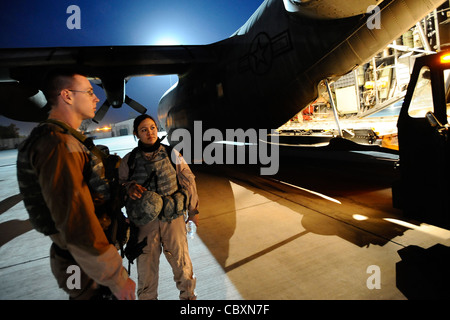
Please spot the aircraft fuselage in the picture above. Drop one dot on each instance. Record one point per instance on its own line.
(270, 68)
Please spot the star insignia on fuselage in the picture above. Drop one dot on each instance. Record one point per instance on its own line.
(261, 54)
(263, 49)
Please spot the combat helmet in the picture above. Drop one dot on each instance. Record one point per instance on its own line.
(146, 209)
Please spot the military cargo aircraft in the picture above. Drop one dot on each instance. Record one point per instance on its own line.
(259, 77)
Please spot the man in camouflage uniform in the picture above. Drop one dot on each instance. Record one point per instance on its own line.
(57, 178)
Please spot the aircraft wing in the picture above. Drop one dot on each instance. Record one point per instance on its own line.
(22, 71)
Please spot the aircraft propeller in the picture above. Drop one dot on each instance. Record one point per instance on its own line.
(105, 107)
(116, 101)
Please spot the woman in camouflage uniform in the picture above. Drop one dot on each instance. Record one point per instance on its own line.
(159, 194)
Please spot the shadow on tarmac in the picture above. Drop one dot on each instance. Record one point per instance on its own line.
(12, 228)
(422, 274)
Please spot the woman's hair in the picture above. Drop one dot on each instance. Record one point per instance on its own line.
(138, 121)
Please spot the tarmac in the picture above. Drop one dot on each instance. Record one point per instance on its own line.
(322, 228)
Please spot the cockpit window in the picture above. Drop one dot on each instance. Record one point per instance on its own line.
(422, 99)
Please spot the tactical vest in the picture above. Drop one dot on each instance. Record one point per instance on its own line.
(40, 216)
(159, 176)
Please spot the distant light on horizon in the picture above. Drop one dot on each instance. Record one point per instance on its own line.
(105, 128)
(167, 41)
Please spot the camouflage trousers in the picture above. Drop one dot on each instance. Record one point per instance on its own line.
(169, 238)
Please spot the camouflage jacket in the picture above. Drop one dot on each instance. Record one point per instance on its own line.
(64, 178)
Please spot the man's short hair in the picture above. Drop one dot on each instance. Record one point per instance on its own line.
(57, 80)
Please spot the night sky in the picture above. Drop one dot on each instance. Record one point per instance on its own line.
(43, 23)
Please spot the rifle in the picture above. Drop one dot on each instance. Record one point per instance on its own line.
(134, 248)
(118, 232)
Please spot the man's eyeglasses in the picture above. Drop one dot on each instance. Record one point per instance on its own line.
(89, 92)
